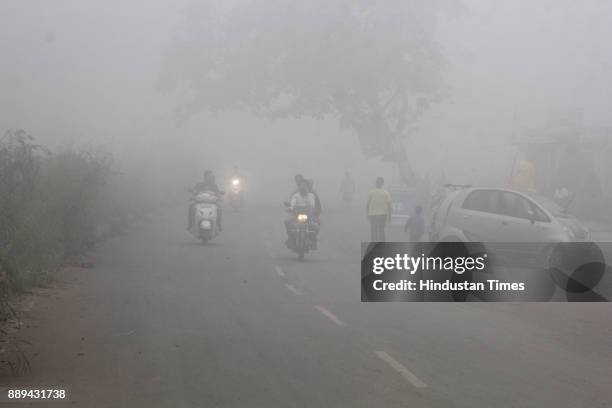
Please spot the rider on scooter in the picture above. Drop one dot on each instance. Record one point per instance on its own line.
(236, 175)
(208, 184)
(237, 181)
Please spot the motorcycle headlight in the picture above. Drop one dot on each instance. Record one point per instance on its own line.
(235, 182)
(302, 217)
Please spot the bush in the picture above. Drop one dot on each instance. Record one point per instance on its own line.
(50, 208)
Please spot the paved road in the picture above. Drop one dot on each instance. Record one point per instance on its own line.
(165, 322)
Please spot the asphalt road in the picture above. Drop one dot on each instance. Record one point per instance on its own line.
(163, 321)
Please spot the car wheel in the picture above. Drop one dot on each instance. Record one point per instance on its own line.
(576, 267)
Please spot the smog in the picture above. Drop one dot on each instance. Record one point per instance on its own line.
(189, 191)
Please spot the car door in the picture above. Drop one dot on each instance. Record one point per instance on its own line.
(477, 216)
(521, 223)
(515, 217)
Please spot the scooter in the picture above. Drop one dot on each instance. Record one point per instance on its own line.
(302, 232)
(206, 211)
(236, 197)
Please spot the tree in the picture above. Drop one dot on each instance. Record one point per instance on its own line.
(372, 64)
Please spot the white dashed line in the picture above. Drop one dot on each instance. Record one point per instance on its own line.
(293, 289)
(330, 316)
(124, 333)
(279, 271)
(411, 378)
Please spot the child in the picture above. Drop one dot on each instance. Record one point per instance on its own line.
(415, 225)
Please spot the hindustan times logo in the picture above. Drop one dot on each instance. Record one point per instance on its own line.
(412, 264)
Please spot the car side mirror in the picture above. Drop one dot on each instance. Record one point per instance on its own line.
(286, 204)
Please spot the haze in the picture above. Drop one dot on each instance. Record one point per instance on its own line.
(127, 294)
(86, 74)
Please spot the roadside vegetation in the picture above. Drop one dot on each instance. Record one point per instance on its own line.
(54, 206)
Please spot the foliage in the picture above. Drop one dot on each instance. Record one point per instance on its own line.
(373, 64)
(49, 208)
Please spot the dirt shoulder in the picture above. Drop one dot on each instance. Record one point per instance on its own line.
(41, 336)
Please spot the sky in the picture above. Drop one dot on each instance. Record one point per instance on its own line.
(84, 73)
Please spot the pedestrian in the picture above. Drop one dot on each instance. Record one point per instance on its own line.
(347, 190)
(415, 225)
(378, 210)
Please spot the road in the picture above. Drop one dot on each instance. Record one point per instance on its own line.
(163, 321)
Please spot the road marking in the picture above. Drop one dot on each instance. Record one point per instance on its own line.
(407, 374)
(330, 316)
(279, 271)
(124, 333)
(293, 289)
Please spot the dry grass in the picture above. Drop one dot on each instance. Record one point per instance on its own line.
(52, 209)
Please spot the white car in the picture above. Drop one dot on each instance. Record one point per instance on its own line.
(520, 230)
(502, 215)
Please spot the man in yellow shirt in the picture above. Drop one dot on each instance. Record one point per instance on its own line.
(524, 180)
(378, 210)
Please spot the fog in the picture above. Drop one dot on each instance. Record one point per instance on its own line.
(86, 74)
(128, 280)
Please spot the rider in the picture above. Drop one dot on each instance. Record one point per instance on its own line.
(301, 198)
(316, 212)
(208, 184)
(299, 179)
(317, 208)
(239, 180)
(236, 174)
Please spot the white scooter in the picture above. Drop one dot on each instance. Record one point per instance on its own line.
(206, 211)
